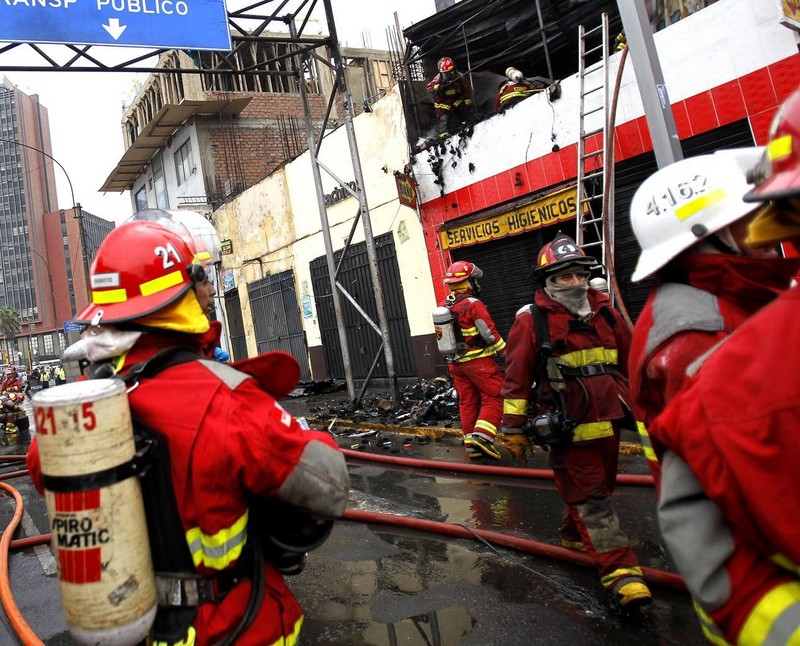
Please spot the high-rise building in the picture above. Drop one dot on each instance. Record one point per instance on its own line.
(27, 191)
(44, 250)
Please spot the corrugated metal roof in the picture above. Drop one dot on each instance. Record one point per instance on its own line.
(490, 35)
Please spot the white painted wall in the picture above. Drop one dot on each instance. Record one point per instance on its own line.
(716, 45)
(193, 186)
(275, 225)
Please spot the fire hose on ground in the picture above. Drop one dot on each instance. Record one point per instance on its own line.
(537, 548)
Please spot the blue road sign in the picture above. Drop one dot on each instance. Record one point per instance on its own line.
(70, 326)
(168, 24)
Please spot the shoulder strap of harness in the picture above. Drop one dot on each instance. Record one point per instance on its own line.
(180, 590)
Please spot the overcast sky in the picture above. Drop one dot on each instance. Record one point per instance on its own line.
(85, 109)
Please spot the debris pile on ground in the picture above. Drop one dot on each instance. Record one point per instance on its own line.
(427, 402)
(306, 388)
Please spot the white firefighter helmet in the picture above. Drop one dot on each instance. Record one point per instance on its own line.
(680, 204)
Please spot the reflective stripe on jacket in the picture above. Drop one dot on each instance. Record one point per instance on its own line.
(478, 330)
(603, 340)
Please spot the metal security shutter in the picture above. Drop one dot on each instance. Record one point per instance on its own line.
(506, 264)
(363, 341)
(233, 314)
(276, 318)
(629, 175)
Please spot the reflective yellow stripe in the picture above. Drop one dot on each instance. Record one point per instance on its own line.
(515, 406)
(477, 353)
(109, 296)
(710, 629)
(219, 550)
(161, 283)
(779, 148)
(514, 94)
(469, 331)
(592, 431)
(779, 609)
(623, 572)
(189, 640)
(442, 106)
(291, 639)
(785, 563)
(703, 202)
(496, 347)
(647, 446)
(487, 427)
(201, 257)
(588, 357)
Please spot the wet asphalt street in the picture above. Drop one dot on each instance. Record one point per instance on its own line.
(387, 585)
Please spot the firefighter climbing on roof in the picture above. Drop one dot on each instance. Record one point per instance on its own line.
(573, 345)
(452, 97)
(513, 90)
(476, 377)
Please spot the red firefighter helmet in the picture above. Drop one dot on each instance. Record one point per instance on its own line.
(140, 268)
(557, 254)
(446, 64)
(777, 175)
(460, 271)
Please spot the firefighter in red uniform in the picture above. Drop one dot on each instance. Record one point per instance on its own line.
(452, 97)
(578, 408)
(11, 382)
(512, 91)
(476, 376)
(730, 437)
(231, 446)
(709, 281)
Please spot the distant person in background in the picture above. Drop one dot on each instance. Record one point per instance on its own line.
(513, 90)
(34, 381)
(45, 379)
(59, 375)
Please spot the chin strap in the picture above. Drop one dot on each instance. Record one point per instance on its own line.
(723, 242)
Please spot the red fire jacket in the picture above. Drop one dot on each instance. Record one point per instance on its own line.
(603, 340)
(682, 320)
(231, 437)
(480, 335)
(733, 431)
(450, 94)
(510, 93)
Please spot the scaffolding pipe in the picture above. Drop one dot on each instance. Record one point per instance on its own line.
(369, 240)
(323, 216)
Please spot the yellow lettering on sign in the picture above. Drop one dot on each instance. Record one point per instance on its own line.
(556, 207)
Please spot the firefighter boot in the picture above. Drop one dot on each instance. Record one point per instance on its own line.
(479, 446)
(634, 595)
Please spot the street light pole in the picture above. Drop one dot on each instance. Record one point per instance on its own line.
(50, 280)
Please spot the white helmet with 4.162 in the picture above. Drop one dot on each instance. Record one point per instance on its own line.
(680, 204)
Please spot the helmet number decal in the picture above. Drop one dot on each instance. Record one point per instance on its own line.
(168, 254)
(680, 192)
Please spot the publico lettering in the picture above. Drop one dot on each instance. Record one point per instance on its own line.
(165, 7)
(552, 208)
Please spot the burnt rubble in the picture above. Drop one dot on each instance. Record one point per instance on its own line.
(427, 402)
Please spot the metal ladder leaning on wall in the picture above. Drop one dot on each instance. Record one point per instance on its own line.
(593, 110)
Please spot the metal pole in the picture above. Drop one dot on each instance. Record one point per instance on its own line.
(544, 42)
(326, 230)
(78, 215)
(657, 108)
(380, 303)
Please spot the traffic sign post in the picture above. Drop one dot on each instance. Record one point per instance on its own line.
(168, 24)
(71, 326)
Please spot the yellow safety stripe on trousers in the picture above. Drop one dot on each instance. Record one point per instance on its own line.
(710, 630)
(487, 427)
(515, 406)
(609, 579)
(588, 357)
(442, 106)
(775, 619)
(647, 446)
(592, 431)
(219, 550)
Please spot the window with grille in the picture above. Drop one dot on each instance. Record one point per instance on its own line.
(183, 161)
